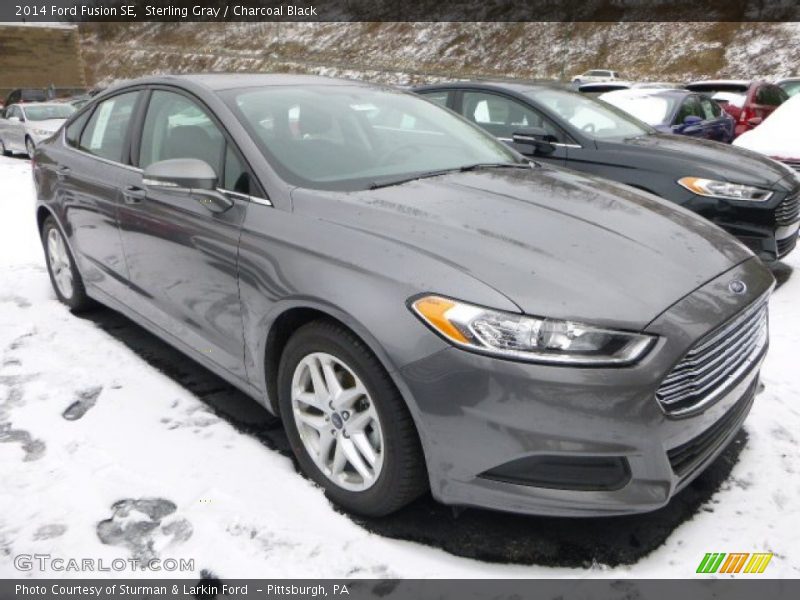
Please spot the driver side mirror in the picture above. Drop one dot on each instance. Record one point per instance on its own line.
(187, 176)
(692, 120)
(535, 136)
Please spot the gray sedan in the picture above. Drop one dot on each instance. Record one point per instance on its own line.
(422, 307)
(23, 126)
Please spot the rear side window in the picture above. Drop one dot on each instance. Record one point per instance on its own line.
(107, 129)
(73, 131)
(711, 109)
(770, 95)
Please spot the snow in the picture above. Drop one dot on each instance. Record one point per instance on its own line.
(777, 135)
(129, 432)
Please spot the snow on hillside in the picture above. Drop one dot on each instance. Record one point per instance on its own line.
(405, 53)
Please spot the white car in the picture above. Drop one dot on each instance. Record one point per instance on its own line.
(777, 136)
(596, 75)
(23, 126)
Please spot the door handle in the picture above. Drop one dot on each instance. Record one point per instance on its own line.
(62, 172)
(133, 195)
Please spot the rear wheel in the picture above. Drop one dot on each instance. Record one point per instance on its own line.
(64, 275)
(346, 422)
(3, 150)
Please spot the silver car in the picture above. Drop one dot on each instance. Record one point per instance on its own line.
(23, 126)
(421, 306)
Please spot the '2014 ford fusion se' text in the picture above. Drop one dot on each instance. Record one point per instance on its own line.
(421, 306)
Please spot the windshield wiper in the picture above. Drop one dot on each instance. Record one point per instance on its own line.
(426, 174)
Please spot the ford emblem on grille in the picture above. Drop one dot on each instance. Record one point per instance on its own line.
(737, 287)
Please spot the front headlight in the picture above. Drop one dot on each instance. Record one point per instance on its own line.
(724, 189)
(520, 337)
(41, 132)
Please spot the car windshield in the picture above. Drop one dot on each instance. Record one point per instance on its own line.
(791, 87)
(592, 117)
(652, 109)
(352, 137)
(43, 112)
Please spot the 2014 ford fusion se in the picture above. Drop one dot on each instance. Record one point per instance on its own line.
(421, 306)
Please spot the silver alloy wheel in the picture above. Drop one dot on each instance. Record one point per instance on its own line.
(60, 265)
(337, 421)
(29, 147)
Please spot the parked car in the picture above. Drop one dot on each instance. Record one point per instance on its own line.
(421, 305)
(739, 191)
(749, 102)
(596, 75)
(777, 137)
(790, 85)
(675, 111)
(601, 87)
(21, 95)
(23, 126)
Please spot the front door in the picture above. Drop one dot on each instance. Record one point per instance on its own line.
(182, 258)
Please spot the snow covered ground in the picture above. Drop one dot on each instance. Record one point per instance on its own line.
(103, 456)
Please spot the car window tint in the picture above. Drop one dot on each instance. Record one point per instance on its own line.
(237, 179)
(106, 131)
(177, 127)
(503, 116)
(440, 98)
(689, 108)
(74, 129)
(710, 109)
(769, 95)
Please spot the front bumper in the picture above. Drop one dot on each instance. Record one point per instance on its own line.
(478, 415)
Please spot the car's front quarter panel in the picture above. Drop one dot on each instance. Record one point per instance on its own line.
(483, 413)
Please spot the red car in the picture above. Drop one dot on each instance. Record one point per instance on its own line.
(749, 102)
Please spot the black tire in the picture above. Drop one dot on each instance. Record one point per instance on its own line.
(78, 300)
(30, 147)
(403, 476)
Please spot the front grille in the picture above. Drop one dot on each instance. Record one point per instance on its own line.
(793, 164)
(716, 362)
(786, 244)
(687, 456)
(788, 211)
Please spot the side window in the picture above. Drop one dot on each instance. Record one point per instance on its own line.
(237, 179)
(176, 127)
(690, 108)
(502, 116)
(107, 129)
(74, 129)
(769, 95)
(440, 98)
(710, 109)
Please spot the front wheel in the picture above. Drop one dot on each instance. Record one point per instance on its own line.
(64, 275)
(346, 422)
(29, 147)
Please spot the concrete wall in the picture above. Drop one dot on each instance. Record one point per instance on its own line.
(32, 56)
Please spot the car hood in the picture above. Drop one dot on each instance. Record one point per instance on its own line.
(703, 158)
(555, 242)
(777, 142)
(46, 125)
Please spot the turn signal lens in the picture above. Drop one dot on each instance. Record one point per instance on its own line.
(533, 339)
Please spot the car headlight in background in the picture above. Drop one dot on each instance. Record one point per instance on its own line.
(42, 132)
(520, 337)
(724, 189)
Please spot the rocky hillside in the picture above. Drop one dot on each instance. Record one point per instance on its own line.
(405, 53)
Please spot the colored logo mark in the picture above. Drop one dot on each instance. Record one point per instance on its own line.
(734, 562)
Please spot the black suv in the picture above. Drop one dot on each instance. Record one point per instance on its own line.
(749, 195)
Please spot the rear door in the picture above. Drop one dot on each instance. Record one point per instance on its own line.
(91, 170)
(502, 116)
(182, 257)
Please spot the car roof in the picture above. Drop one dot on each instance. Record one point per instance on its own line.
(646, 92)
(745, 82)
(521, 86)
(227, 81)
